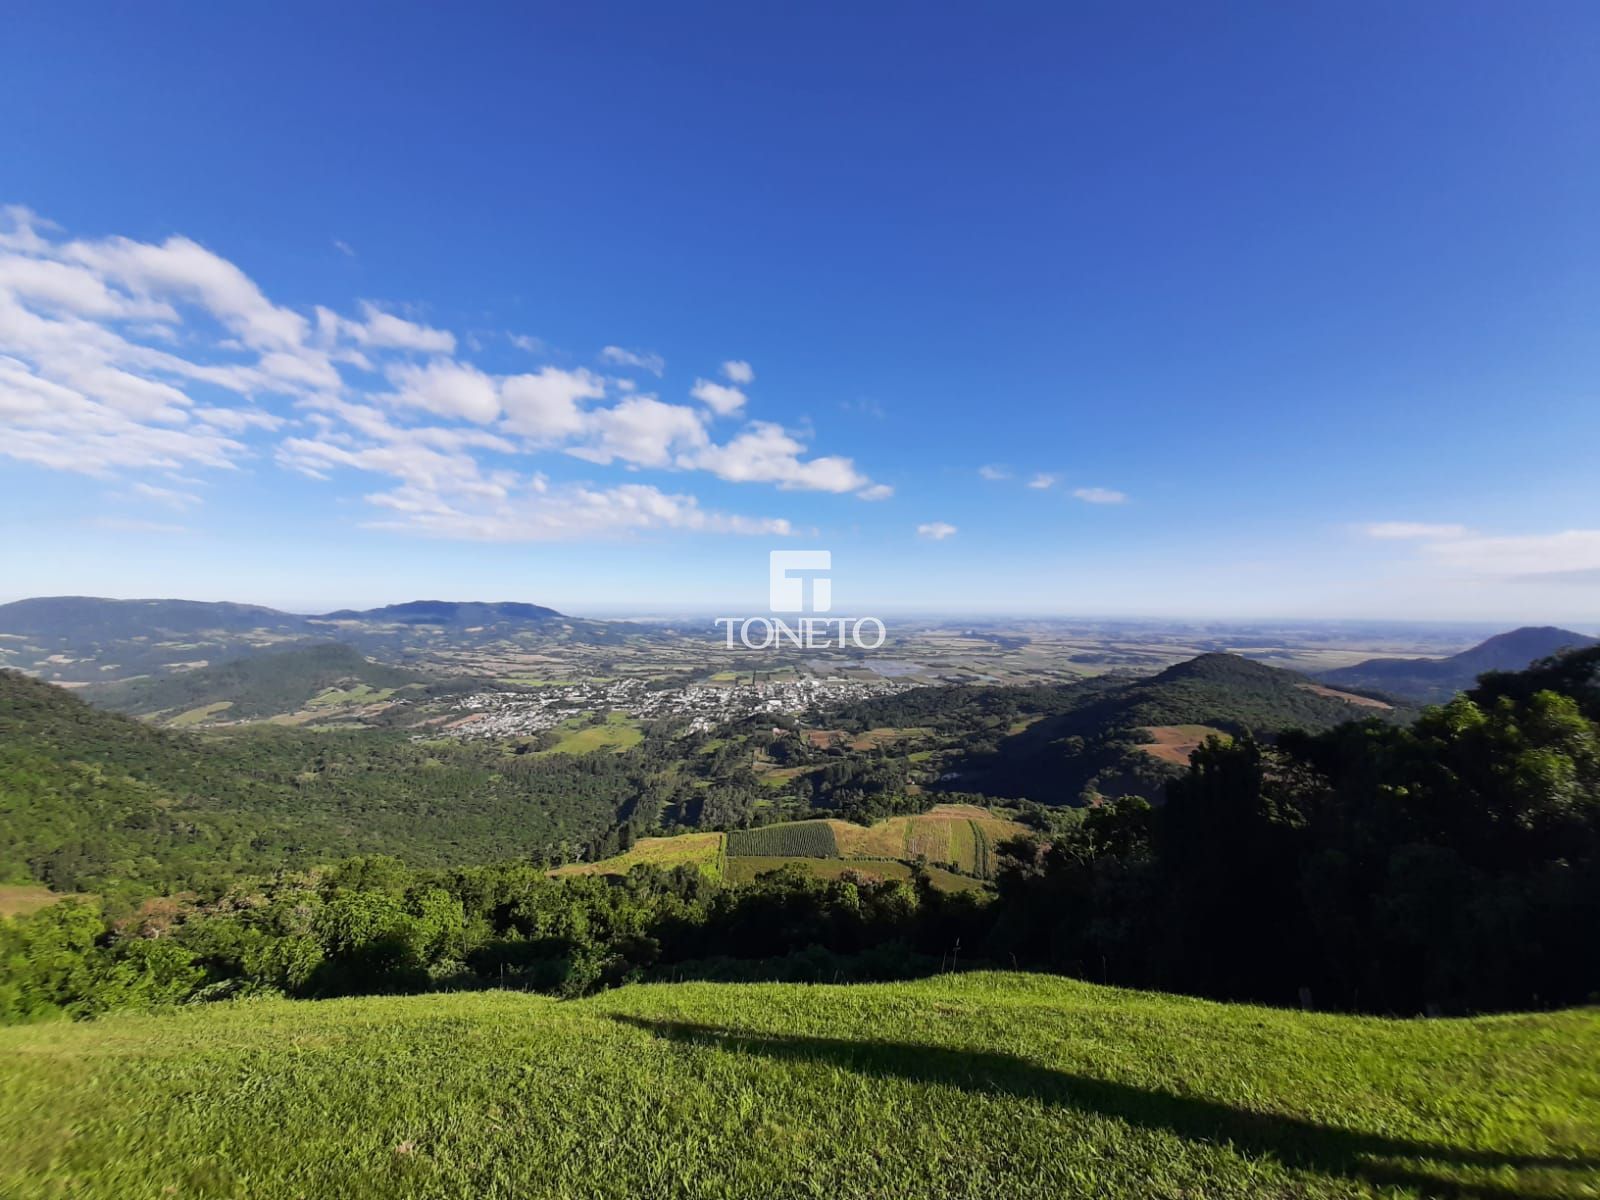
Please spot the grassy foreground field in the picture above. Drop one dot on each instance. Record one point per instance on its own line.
(985, 1085)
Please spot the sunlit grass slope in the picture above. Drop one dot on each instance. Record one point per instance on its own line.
(703, 850)
(989, 1085)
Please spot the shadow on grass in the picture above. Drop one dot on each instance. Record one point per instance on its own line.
(1294, 1142)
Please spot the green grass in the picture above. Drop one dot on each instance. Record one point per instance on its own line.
(359, 694)
(618, 733)
(987, 1085)
(19, 899)
(703, 850)
(193, 716)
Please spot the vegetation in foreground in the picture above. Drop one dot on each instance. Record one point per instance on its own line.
(1450, 866)
(979, 1085)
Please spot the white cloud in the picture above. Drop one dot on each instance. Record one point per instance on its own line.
(718, 397)
(543, 512)
(767, 453)
(547, 405)
(446, 389)
(170, 497)
(1043, 480)
(343, 248)
(385, 330)
(119, 357)
(1099, 495)
(1413, 529)
(994, 472)
(527, 343)
(641, 430)
(1568, 552)
(642, 359)
(186, 271)
(936, 530)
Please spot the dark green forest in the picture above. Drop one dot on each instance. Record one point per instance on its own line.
(93, 801)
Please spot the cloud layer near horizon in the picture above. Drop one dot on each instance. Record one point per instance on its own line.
(141, 361)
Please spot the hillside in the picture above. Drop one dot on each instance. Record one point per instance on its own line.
(94, 617)
(954, 842)
(328, 676)
(1111, 736)
(92, 800)
(980, 1086)
(1430, 681)
(448, 612)
(92, 640)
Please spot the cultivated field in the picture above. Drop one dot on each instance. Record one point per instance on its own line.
(795, 839)
(703, 850)
(986, 1086)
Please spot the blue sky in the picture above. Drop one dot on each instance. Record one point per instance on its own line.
(1287, 310)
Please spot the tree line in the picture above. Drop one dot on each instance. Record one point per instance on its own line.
(1448, 865)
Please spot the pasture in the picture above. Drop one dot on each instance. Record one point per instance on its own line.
(580, 737)
(986, 1086)
(703, 850)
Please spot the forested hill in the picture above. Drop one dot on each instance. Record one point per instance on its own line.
(262, 685)
(94, 801)
(88, 619)
(1235, 694)
(1072, 743)
(1426, 680)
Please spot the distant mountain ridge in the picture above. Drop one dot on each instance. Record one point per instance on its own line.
(449, 612)
(94, 640)
(1433, 680)
(52, 616)
(99, 617)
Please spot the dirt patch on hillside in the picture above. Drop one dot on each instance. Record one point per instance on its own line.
(1174, 743)
(1347, 697)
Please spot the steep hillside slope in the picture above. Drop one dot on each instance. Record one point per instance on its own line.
(260, 686)
(1430, 681)
(94, 801)
(974, 1086)
(1108, 736)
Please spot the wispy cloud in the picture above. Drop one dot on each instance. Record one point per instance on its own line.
(936, 531)
(171, 497)
(1100, 495)
(1043, 480)
(994, 472)
(736, 370)
(1400, 530)
(644, 360)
